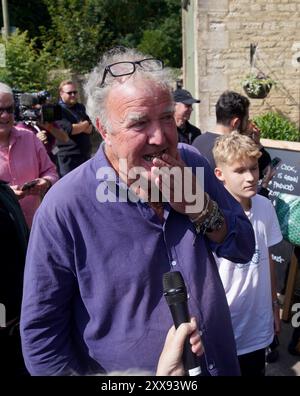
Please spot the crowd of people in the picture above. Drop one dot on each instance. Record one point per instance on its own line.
(89, 298)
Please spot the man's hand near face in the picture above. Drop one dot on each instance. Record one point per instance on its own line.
(185, 186)
(181, 187)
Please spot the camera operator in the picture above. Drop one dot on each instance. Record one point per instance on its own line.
(24, 163)
(47, 131)
(78, 126)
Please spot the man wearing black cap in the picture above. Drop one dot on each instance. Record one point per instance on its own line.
(183, 109)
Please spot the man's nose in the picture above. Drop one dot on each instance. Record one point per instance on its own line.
(157, 134)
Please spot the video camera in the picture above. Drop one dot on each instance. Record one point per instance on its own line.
(33, 107)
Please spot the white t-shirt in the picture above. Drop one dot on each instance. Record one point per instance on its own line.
(248, 286)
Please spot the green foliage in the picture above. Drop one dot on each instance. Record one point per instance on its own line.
(83, 29)
(154, 27)
(275, 126)
(26, 67)
(164, 42)
(73, 34)
(77, 34)
(29, 16)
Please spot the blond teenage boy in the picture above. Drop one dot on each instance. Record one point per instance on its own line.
(251, 288)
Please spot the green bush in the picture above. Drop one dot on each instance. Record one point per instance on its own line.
(26, 67)
(277, 127)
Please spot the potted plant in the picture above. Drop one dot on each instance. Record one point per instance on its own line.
(257, 85)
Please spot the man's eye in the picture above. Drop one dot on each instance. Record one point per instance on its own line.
(168, 117)
(138, 124)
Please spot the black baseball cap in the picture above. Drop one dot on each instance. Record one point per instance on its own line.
(184, 96)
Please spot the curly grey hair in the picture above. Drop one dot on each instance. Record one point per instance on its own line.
(4, 88)
(96, 95)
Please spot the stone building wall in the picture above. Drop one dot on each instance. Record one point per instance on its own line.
(224, 30)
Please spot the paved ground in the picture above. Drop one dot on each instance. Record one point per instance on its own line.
(286, 365)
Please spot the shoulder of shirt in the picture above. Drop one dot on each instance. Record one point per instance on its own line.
(205, 136)
(72, 182)
(187, 149)
(263, 204)
(266, 215)
(78, 106)
(22, 132)
(193, 127)
(261, 199)
(191, 156)
(65, 195)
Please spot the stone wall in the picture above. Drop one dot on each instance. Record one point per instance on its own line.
(224, 30)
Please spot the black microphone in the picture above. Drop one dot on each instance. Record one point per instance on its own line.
(175, 292)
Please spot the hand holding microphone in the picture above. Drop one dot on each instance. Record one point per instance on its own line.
(170, 360)
(176, 296)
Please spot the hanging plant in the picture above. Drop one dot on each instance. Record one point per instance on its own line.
(257, 86)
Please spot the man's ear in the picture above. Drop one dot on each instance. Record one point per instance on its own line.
(219, 174)
(235, 123)
(103, 132)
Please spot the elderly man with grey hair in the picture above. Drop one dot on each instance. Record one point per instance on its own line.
(108, 231)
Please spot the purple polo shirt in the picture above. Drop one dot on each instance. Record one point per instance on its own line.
(93, 278)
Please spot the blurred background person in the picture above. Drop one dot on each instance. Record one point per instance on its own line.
(35, 112)
(78, 126)
(232, 113)
(184, 101)
(48, 133)
(13, 244)
(23, 159)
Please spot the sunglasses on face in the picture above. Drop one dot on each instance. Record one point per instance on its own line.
(71, 92)
(8, 110)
